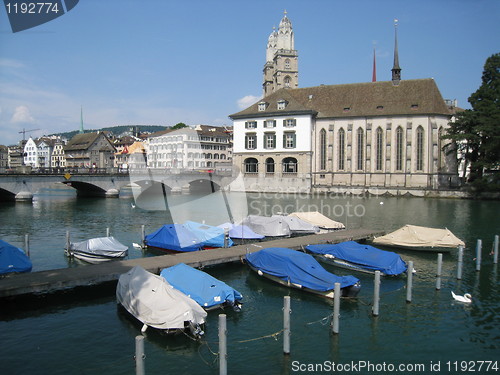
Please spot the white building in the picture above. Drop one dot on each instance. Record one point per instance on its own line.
(31, 153)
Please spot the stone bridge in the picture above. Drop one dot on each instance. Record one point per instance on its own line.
(23, 186)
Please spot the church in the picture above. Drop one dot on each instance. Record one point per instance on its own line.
(378, 137)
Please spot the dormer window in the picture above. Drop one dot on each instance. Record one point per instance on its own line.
(347, 109)
(282, 104)
(262, 106)
(380, 107)
(414, 106)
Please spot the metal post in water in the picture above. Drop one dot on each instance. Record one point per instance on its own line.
(336, 308)
(478, 254)
(460, 262)
(226, 237)
(107, 232)
(376, 293)
(409, 281)
(143, 232)
(139, 355)
(27, 244)
(495, 250)
(286, 325)
(222, 345)
(68, 239)
(439, 270)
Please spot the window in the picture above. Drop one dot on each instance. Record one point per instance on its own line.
(287, 81)
(250, 124)
(289, 123)
(251, 165)
(250, 141)
(360, 149)
(270, 124)
(269, 165)
(420, 148)
(322, 149)
(262, 106)
(287, 64)
(341, 149)
(289, 140)
(399, 149)
(269, 140)
(379, 149)
(282, 104)
(289, 165)
(440, 148)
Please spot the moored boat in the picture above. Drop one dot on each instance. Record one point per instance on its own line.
(210, 236)
(420, 238)
(13, 259)
(267, 226)
(173, 238)
(97, 250)
(157, 304)
(359, 257)
(299, 270)
(205, 289)
(318, 219)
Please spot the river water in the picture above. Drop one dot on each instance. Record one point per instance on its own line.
(85, 333)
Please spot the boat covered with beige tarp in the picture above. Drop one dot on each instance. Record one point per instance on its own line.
(422, 238)
(318, 219)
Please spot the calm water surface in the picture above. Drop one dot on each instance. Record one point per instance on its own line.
(88, 334)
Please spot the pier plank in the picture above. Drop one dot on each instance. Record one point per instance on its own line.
(51, 281)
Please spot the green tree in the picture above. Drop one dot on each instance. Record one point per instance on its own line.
(179, 125)
(476, 131)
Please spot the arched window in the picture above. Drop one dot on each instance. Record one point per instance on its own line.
(223, 156)
(399, 148)
(360, 149)
(269, 165)
(287, 81)
(341, 149)
(289, 165)
(322, 149)
(251, 165)
(379, 149)
(420, 148)
(216, 156)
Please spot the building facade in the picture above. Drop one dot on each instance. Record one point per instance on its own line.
(89, 150)
(58, 158)
(375, 136)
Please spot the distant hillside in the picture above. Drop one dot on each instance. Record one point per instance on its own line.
(117, 130)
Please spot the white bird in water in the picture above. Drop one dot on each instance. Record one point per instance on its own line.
(466, 298)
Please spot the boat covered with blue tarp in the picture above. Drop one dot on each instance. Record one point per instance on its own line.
(211, 236)
(205, 289)
(300, 270)
(13, 259)
(173, 237)
(353, 255)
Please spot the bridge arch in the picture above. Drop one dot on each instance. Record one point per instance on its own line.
(203, 186)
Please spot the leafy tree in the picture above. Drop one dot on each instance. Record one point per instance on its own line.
(179, 125)
(476, 131)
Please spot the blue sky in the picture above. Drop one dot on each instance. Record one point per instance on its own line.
(163, 62)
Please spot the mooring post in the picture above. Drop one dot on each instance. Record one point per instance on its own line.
(409, 281)
(139, 355)
(376, 293)
(27, 244)
(143, 234)
(226, 237)
(495, 250)
(336, 308)
(460, 262)
(439, 271)
(222, 345)
(107, 232)
(479, 246)
(67, 241)
(286, 325)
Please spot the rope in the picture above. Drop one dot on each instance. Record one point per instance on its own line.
(324, 321)
(273, 335)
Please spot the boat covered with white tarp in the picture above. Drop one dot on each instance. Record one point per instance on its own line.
(156, 303)
(421, 238)
(97, 250)
(299, 226)
(318, 219)
(267, 226)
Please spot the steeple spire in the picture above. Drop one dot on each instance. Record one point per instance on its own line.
(374, 73)
(396, 70)
(81, 120)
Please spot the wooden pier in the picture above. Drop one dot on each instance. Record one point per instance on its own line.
(91, 275)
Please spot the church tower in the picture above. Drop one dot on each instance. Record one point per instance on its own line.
(281, 67)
